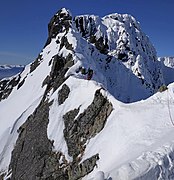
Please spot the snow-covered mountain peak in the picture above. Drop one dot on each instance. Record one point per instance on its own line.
(114, 47)
(124, 18)
(69, 117)
(63, 11)
(120, 37)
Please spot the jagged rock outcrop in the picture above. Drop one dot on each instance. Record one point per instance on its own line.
(63, 94)
(167, 66)
(7, 85)
(35, 149)
(36, 63)
(120, 36)
(32, 147)
(59, 23)
(85, 126)
(60, 66)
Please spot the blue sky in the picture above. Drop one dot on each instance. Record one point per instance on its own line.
(23, 23)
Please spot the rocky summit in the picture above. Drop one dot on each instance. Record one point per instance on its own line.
(89, 107)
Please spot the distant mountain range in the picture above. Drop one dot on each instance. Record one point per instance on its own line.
(10, 70)
(96, 104)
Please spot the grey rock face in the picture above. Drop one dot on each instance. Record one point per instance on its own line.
(60, 22)
(7, 85)
(2, 177)
(87, 27)
(60, 66)
(33, 158)
(64, 42)
(32, 146)
(36, 63)
(77, 171)
(86, 125)
(63, 94)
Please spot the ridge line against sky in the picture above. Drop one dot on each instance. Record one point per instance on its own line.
(23, 30)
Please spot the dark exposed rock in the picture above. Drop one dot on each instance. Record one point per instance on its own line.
(21, 83)
(2, 176)
(7, 85)
(86, 125)
(79, 25)
(87, 27)
(35, 149)
(32, 146)
(101, 46)
(36, 63)
(63, 94)
(77, 171)
(69, 61)
(108, 59)
(64, 42)
(122, 56)
(61, 22)
(57, 74)
(60, 66)
(92, 39)
(32, 157)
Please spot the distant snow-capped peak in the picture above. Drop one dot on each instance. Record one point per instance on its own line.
(10, 70)
(7, 66)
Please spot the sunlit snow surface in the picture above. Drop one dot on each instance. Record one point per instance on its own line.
(137, 137)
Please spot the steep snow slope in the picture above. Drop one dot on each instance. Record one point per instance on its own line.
(66, 127)
(20, 104)
(9, 70)
(120, 37)
(137, 140)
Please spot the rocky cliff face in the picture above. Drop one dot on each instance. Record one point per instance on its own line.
(35, 149)
(60, 111)
(167, 66)
(120, 36)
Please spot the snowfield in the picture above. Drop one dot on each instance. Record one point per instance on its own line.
(137, 140)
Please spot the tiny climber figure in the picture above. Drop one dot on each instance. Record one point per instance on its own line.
(82, 70)
(89, 74)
